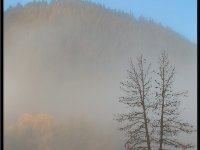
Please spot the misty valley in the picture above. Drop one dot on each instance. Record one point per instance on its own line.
(80, 76)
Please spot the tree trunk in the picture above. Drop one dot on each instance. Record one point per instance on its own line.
(146, 128)
(161, 126)
(144, 111)
(162, 109)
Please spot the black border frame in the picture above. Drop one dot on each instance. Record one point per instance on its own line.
(1, 111)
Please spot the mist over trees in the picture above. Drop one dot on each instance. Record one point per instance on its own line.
(66, 59)
(152, 118)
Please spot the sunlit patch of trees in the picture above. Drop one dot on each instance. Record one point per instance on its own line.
(43, 132)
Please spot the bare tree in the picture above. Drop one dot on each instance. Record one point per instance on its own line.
(137, 93)
(168, 125)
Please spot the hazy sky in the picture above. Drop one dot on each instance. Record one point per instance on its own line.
(180, 15)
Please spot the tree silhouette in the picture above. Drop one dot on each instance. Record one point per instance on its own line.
(168, 125)
(137, 91)
(152, 120)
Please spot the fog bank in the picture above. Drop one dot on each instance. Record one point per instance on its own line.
(67, 60)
